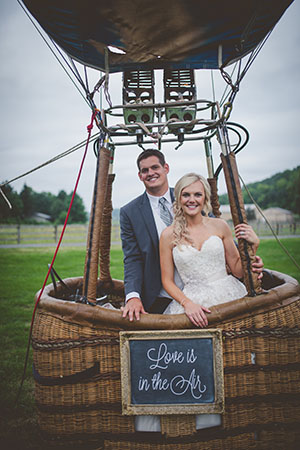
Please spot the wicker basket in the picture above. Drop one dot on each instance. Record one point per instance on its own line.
(77, 374)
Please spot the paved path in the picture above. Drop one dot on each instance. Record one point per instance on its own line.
(286, 236)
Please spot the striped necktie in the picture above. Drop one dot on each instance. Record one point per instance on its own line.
(164, 212)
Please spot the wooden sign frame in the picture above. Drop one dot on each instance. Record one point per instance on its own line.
(136, 339)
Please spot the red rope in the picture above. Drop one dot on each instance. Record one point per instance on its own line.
(89, 129)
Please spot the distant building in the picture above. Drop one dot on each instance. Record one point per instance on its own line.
(41, 217)
(278, 215)
(250, 208)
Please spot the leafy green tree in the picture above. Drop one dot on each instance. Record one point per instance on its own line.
(78, 213)
(62, 196)
(250, 214)
(29, 202)
(15, 214)
(27, 198)
(282, 190)
(58, 206)
(43, 201)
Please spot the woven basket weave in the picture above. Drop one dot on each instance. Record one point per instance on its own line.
(77, 374)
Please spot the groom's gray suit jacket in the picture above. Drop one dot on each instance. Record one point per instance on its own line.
(141, 249)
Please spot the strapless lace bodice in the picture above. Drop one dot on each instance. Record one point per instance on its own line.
(204, 275)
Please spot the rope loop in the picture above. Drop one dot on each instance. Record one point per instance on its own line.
(91, 125)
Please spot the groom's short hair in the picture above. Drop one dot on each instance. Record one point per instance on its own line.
(151, 152)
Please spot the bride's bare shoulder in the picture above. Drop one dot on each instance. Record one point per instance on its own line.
(217, 223)
(167, 233)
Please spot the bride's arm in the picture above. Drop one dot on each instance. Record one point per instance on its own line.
(245, 231)
(196, 313)
(232, 255)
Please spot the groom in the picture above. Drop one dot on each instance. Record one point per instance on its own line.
(142, 221)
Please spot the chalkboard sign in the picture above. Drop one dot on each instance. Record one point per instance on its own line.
(172, 372)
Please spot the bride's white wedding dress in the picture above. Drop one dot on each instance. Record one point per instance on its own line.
(204, 275)
(207, 283)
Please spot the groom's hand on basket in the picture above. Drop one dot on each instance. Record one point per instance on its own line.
(133, 308)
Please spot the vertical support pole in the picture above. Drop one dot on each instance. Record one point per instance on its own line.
(105, 238)
(237, 208)
(89, 290)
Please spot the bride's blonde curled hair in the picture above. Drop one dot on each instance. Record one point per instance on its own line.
(180, 225)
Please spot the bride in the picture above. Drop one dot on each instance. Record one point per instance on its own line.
(200, 247)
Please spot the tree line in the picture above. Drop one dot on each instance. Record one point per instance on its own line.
(281, 190)
(28, 202)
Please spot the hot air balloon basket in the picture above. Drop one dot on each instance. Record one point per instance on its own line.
(76, 356)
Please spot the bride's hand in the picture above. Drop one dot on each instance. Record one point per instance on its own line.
(245, 231)
(196, 313)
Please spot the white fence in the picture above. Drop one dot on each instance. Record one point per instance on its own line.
(77, 234)
(47, 234)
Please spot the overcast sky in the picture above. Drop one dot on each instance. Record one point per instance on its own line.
(42, 114)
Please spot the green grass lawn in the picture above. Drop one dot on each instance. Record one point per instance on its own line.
(276, 259)
(22, 272)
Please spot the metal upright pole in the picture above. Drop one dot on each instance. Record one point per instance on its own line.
(237, 208)
(91, 269)
(105, 235)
